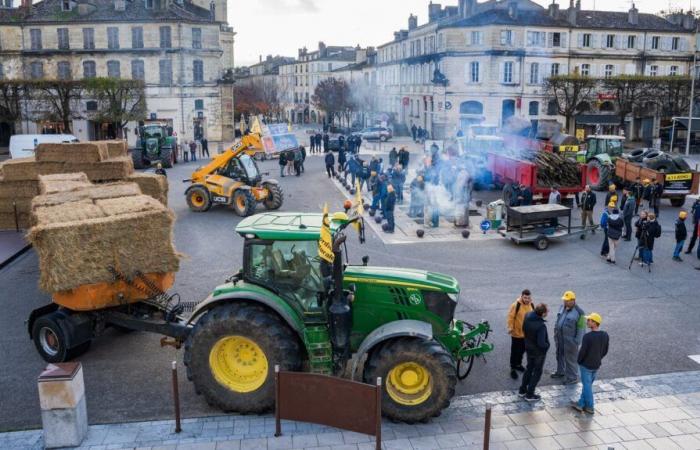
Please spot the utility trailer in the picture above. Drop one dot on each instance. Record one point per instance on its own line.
(675, 185)
(538, 224)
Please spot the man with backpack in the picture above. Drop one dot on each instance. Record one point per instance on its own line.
(516, 317)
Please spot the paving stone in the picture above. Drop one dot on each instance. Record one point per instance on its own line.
(670, 428)
(669, 400)
(649, 403)
(687, 442)
(528, 418)
(454, 426)
(630, 419)
(674, 413)
(473, 437)
(501, 435)
(350, 437)
(229, 445)
(520, 444)
(640, 432)
(607, 436)
(197, 446)
(498, 421)
(519, 432)
(281, 442)
(589, 437)
(545, 443)
(610, 421)
(571, 440)
(686, 426)
(304, 440)
(563, 427)
(424, 443)
(661, 444)
(540, 430)
(253, 444)
(344, 447)
(624, 434)
(450, 440)
(397, 444)
(656, 430)
(638, 445)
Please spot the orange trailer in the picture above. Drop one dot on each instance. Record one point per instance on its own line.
(675, 185)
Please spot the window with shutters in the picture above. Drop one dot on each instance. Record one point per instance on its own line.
(165, 37)
(653, 70)
(165, 67)
(477, 37)
(89, 69)
(609, 70)
(585, 70)
(631, 41)
(534, 108)
(506, 37)
(199, 104)
(63, 38)
(673, 71)
(196, 38)
(534, 73)
(138, 71)
(554, 70)
(198, 71)
(137, 37)
(36, 70)
(675, 43)
(552, 108)
(610, 41)
(474, 72)
(35, 36)
(655, 42)
(91, 105)
(113, 38)
(113, 69)
(63, 70)
(556, 39)
(535, 39)
(508, 72)
(586, 40)
(66, 5)
(88, 38)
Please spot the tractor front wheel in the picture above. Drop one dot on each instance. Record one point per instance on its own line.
(244, 203)
(419, 378)
(198, 199)
(275, 197)
(137, 158)
(231, 355)
(166, 157)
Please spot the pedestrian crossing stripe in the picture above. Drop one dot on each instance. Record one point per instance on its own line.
(695, 358)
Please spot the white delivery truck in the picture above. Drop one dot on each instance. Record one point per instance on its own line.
(23, 145)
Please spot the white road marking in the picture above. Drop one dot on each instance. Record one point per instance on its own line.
(695, 358)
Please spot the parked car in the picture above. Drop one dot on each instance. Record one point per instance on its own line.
(377, 133)
(24, 145)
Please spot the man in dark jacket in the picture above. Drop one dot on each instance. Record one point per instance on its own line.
(681, 235)
(318, 139)
(638, 190)
(695, 214)
(628, 212)
(414, 131)
(404, 158)
(330, 161)
(341, 161)
(389, 205)
(536, 346)
(303, 157)
(587, 204)
(655, 197)
(312, 143)
(593, 349)
(282, 163)
(205, 148)
(650, 231)
(326, 141)
(393, 156)
(525, 195)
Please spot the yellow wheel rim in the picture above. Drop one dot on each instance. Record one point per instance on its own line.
(240, 202)
(197, 199)
(409, 383)
(238, 363)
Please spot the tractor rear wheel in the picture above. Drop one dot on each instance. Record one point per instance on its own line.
(244, 203)
(419, 378)
(275, 196)
(598, 175)
(198, 199)
(231, 355)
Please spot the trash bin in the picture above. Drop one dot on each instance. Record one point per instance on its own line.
(494, 213)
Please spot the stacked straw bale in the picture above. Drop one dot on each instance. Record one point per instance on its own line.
(79, 234)
(151, 184)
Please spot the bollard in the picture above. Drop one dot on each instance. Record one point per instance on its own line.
(487, 427)
(176, 398)
(62, 401)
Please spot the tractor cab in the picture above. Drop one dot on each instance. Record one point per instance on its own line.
(242, 168)
(597, 145)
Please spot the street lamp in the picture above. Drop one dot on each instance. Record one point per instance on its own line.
(692, 96)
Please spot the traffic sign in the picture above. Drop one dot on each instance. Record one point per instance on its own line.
(485, 225)
(448, 105)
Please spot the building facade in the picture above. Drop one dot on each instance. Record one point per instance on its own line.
(181, 49)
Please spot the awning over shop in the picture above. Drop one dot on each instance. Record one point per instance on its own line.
(597, 119)
(683, 123)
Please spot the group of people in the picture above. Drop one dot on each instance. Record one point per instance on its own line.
(191, 148)
(418, 133)
(320, 143)
(291, 162)
(578, 353)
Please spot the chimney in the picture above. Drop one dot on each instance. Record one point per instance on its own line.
(689, 21)
(397, 35)
(553, 9)
(412, 22)
(466, 8)
(322, 49)
(573, 12)
(434, 10)
(633, 17)
(513, 9)
(259, 58)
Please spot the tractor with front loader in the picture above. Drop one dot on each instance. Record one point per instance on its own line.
(232, 178)
(289, 307)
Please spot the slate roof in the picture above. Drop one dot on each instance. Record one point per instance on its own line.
(49, 11)
(620, 21)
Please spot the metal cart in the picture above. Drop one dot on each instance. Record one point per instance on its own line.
(538, 224)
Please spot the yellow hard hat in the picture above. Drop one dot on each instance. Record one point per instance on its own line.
(595, 317)
(646, 181)
(374, 172)
(611, 205)
(682, 214)
(340, 216)
(568, 295)
(612, 187)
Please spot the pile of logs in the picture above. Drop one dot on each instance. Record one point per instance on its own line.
(554, 169)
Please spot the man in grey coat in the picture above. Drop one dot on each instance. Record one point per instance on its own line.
(628, 213)
(568, 334)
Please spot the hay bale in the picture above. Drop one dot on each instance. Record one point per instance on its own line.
(67, 212)
(151, 184)
(23, 205)
(72, 254)
(108, 170)
(76, 176)
(116, 148)
(102, 191)
(73, 152)
(19, 169)
(7, 221)
(64, 182)
(129, 205)
(14, 189)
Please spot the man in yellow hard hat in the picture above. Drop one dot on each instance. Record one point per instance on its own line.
(593, 349)
(568, 333)
(611, 196)
(681, 235)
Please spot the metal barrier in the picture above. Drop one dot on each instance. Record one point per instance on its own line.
(331, 401)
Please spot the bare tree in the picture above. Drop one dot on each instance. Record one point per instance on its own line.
(629, 92)
(119, 101)
(332, 96)
(57, 100)
(12, 94)
(568, 92)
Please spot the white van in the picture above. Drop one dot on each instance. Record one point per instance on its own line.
(23, 145)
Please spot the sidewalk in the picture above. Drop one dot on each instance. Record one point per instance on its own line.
(648, 412)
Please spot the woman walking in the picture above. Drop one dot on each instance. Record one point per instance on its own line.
(615, 226)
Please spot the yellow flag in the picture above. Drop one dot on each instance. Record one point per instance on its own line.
(359, 205)
(255, 126)
(325, 243)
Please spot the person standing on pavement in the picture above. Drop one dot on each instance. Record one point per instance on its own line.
(637, 189)
(318, 141)
(282, 163)
(342, 160)
(638, 226)
(205, 148)
(389, 205)
(605, 249)
(655, 198)
(568, 332)
(554, 196)
(695, 214)
(587, 204)
(525, 198)
(312, 143)
(615, 226)
(404, 158)
(628, 213)
(414, 131)
(697, 235)
(393, 155)
(193, 150)
(681, 235)
(330, 162)
(398, 179)
(417, 204)
(516, 316)
(536, 347)
(611, 196)
(593, 349)
(303, 157)
(650, 231)
(326, 141)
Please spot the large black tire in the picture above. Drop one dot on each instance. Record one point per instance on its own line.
(53, 340)
(277, 341)
(198, 199)
(681, 164)
(432, 356)
(137, 158)
(166, 157)
(636, 155)
(598, 175)
(243, 203)
(275, 198)
(677, 202)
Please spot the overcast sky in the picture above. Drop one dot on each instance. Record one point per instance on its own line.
(283, 26)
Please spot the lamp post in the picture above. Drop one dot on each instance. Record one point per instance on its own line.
(692, 97)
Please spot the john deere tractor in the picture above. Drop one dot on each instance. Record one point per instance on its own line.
(156, 144)
(289, 307)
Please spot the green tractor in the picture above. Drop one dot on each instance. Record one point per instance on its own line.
(156, 144)
(600, 155)
(289, 307)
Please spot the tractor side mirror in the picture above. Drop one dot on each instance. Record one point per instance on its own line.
(365, 260)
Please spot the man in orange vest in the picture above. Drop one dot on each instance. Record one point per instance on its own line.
(516, 317)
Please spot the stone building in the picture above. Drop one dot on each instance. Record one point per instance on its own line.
(182, 49)
(485, 62)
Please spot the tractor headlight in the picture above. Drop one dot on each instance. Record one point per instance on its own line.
(454, 297)
(441, 304)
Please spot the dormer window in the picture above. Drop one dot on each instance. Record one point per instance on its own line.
(149, 4)
(66, 5)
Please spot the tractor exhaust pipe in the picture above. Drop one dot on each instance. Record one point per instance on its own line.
(339, 312)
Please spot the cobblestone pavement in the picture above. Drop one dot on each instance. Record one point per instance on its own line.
(648, 412)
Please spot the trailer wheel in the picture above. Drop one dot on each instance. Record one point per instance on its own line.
(541, 243)
(53, 340)
(231, 355)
